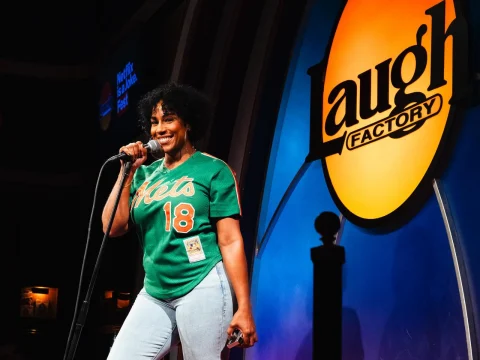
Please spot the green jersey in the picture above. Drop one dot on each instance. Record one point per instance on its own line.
(173, 211)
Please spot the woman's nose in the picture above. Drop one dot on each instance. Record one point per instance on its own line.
(160, 128)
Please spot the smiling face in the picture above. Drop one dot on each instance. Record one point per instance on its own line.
(169, 130)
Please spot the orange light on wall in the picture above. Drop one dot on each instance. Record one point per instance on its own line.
(123, 300)
(108, 294)
(38, 302)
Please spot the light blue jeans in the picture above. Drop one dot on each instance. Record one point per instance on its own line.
(199, 320)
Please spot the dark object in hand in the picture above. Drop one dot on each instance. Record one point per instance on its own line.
(235, 339)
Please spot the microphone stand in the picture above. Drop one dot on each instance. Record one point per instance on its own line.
(86, 303)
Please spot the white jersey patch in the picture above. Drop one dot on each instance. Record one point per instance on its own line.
(194, 249)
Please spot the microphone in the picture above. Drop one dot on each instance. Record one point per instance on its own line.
(152, 147)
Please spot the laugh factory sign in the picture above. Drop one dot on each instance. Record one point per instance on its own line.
(385, 101)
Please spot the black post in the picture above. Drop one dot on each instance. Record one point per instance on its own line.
(328, 260)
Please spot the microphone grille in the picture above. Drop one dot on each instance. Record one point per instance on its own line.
(154, 146)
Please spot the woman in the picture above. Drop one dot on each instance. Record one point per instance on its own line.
(185, 210)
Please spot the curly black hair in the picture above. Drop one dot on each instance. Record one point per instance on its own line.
(188, 103)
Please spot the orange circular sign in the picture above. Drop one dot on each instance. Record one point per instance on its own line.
(386, 104)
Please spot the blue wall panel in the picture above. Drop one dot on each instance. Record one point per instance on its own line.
(282, 298)
(401, 290)
(462, 187)
(290, 144)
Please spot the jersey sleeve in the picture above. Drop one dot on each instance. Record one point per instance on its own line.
(224, 198)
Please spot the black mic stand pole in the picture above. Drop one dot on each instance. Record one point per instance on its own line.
(72, 347)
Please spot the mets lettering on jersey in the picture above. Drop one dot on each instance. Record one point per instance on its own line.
(157, 192)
